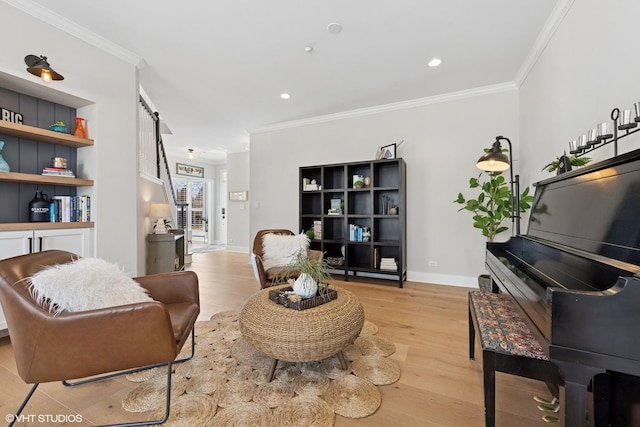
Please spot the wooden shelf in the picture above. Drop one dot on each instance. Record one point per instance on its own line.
(44, 135)
(29, 178)
(20, 226)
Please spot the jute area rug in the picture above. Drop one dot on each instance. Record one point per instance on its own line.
(225, 384)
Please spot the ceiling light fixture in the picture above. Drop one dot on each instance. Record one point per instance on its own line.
(190, 155)
(308, 48)
(334, 28)
(285, 96)
(38, 66)
(435, 62)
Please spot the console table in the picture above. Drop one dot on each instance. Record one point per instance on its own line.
(165, 252)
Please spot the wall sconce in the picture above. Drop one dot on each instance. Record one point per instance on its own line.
(38, 66)
(496, 161)
(161, 211)
(190, 155)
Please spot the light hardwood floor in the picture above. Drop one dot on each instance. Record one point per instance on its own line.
(439, 385)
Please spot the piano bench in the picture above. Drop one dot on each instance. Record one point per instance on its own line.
(507, 346)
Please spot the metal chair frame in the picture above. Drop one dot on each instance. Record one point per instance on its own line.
(117, 374)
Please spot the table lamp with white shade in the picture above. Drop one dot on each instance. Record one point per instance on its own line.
(160, 211)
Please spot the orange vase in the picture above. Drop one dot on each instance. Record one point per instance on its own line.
(80, 130)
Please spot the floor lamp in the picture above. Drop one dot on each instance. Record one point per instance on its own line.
(496, 161)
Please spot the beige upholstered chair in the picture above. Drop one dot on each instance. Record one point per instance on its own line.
(274, 275)
(121, 339)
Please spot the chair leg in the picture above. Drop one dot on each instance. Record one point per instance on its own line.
(134, 370)
(193, 348)
(14, 418)
(489, 371)
(167, 407)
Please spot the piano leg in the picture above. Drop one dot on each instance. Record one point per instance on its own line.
(573, 396)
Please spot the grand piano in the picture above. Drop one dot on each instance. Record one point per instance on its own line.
(575, 277)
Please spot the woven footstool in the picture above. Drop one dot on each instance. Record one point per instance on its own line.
(301, 336)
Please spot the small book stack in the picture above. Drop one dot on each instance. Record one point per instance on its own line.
(51, 171)
(388, 264)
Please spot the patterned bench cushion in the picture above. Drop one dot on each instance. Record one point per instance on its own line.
(500, 327)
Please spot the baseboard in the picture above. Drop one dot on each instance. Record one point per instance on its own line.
(443, 279)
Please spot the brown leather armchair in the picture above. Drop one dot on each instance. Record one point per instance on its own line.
(125, 338)
(273, 275)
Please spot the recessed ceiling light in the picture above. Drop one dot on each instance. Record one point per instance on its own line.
(334, 28)
(435, 62)
(308, 48)
(285, 96)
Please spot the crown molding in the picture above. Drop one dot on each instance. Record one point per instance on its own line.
(49, 17)
(413, 103)
(548, 30)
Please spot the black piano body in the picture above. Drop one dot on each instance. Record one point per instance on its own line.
(575, 277)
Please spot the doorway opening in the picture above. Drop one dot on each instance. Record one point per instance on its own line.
(194, 192)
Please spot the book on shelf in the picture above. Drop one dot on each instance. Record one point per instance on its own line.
(51, 171)
(70, 209)
(388, 264)
(358, 233)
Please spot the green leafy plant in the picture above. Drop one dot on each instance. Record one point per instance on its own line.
(493, 204)
(573, 160)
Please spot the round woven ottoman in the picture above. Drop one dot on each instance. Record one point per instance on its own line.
(301, 336)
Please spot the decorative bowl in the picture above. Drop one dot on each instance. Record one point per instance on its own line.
(335, 261)
(58, 128)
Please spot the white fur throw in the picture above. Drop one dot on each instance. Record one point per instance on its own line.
(85, 284)
(279, 249)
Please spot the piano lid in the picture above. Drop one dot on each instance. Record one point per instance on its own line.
(594, 209)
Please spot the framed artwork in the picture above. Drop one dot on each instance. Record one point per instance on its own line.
(188, 170)
(389, 151)
(238, 195)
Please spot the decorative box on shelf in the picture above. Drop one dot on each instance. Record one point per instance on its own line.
(281, 296)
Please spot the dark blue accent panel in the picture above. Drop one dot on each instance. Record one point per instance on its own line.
(29, 156)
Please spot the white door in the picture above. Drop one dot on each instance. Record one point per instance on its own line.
(74, 240)
(222, 212)
(194, 192)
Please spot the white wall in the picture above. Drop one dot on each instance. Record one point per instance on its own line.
(443, 141)
(238, 212)
(589, 67)
(111, 91)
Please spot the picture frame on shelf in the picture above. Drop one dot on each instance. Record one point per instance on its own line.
(388, 151)
(189, 170)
